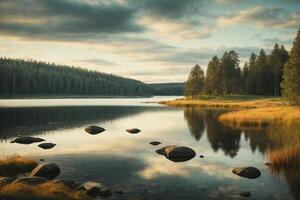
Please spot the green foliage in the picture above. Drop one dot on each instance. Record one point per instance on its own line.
(20, 77)
(195, 83)
(291, 74)
(213, 75)
(167, 88)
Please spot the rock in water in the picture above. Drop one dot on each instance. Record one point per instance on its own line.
(247, 172)
(93, 130)
(31, 180)
(27, 140)
(94, 189)
(177, 153)
(47, 170)
(133, 130)
(47, 145)
(155, 143)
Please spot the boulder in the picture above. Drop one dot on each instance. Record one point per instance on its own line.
(6, 180)
(155, 143)
(93, 130)
(177, 153)
(47, 170)
(27, 140)
(247, 172)
(31, 180)
(94, 189)
(47, 145)
(68, 183)
(201, 156)
(133, 130)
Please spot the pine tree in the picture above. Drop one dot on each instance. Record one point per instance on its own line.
(212, 86)
(291, 74)
(195, 83)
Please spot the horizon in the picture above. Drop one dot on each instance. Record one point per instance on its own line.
(135, 39)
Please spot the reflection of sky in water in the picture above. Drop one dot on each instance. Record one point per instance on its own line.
(122, 160)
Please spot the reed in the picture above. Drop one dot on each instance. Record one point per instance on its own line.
(14, 165)
(46, 191)
(262, 117)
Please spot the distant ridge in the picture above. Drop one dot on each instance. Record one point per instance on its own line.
(29, 77)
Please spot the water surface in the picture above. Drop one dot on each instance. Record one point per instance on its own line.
(127, 161)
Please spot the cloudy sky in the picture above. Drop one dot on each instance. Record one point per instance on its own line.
(149, 40)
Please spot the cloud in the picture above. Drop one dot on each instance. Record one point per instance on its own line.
(170, 9)
(65, 19)
(263, 17)
(97, 61)
(229, 1)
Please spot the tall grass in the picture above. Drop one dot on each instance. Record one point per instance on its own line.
(14, 165)
(262, 117)
(236, 102)
(46, 191)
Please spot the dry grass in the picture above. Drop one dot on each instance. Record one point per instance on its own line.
(47, 191)
(14, 165)
(262, 117)
(236, 102)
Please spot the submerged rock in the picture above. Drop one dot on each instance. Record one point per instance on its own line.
(247, 172)
(27, 140)
(94, 189)
(47, 145)
(31, 180)
(6, 180)
(155, 143)
(201, 156)
(93, 130)
(177, 153)
(133, 130)
(47, 170)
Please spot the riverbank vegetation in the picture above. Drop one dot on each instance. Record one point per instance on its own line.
(46, 191)
(14, 165)
(262, 117)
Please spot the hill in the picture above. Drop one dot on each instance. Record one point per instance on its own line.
(29, 78)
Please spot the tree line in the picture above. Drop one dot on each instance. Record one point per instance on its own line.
(273, 74)
(28, 77)
(171, 89)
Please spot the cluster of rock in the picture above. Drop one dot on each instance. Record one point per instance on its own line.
(47, 172)
(30, 140)
(94, 130)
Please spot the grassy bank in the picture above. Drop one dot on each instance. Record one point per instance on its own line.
(46, 191)
(235, 102)
(262, 117)
(14, 165)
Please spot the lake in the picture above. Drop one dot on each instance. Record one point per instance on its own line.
(127, 161)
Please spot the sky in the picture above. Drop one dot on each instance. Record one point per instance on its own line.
(150, 40)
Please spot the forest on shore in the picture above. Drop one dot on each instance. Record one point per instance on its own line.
(274, 74)
(27, 77)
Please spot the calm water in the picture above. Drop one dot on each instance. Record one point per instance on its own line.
(124, 161)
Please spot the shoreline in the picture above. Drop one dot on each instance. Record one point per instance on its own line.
(250, 112)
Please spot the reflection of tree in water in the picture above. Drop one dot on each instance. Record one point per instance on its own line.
(259, 140)
(32, 121)
(219, 136)
(195, 121)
